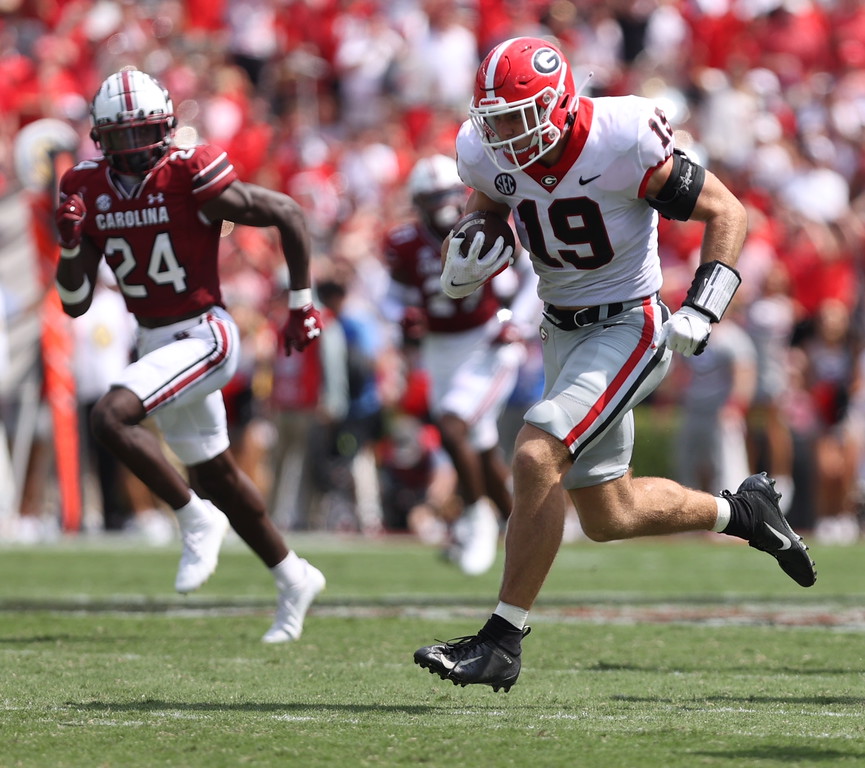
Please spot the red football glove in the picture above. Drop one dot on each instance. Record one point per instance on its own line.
(69, 217)
(303, 327)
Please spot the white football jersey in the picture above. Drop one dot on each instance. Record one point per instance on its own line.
(592, 237)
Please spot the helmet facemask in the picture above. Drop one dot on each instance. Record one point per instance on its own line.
(534, 114)
(134, 147)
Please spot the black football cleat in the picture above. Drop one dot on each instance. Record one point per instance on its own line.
(772, 533)
(475, 659)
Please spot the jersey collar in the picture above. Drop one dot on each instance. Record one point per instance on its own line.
(126, 191)
(549, 177)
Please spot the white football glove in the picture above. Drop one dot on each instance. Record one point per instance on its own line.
(687, 331)
(464, 274)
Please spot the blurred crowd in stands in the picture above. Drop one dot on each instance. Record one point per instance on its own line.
(333, 101)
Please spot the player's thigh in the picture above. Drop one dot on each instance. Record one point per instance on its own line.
(196, 430)
(444, 356)
(183, 362)
(473, 382)
(594, 378)
(179, 378)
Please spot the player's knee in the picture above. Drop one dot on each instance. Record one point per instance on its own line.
(539, 455)
(118, 409)
(100, 426)
(453, 430)
(606, 523)
(600, 531)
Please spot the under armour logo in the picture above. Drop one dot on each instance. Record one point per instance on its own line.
(157, 198)
(312, 329)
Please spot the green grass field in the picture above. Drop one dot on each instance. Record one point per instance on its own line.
(660, 653)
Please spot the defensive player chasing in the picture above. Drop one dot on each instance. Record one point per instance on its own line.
(470, 355)
(154, 212)
(586, 180)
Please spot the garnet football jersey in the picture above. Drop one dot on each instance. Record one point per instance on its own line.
(162, 250)
(413, 257)
(591, 235)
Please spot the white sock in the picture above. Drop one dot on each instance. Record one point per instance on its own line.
(511, 613)
(481, 504)
(289, 572)
(723, 514)
(785, 486)
(194, 504)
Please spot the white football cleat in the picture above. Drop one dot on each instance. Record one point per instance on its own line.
(202, 532)
(292, 605)
(477, 534)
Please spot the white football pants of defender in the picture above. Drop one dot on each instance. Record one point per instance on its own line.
(593, 378)
(180, 372)
(472, 378)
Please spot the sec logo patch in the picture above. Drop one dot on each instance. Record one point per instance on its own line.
(505, 184)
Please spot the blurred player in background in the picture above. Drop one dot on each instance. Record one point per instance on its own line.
(470, 349)
(154, 212)
(585, 180)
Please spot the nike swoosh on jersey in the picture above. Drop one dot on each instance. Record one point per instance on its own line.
(590, 179)
(785, 541)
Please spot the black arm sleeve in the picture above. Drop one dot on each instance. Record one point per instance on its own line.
(678, 196)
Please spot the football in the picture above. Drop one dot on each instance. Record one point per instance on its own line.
(493, 227)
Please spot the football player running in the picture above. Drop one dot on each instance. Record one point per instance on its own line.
(470, 350)
(586, 180)
(154, 212)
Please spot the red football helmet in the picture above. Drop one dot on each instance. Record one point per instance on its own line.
(528, 80)
(133, 118)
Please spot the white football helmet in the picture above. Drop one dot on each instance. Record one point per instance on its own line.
(133, 119)
(437, 192)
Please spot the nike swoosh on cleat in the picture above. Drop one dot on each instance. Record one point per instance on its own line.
(785, 541)
(447, 663)
(469, 661)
